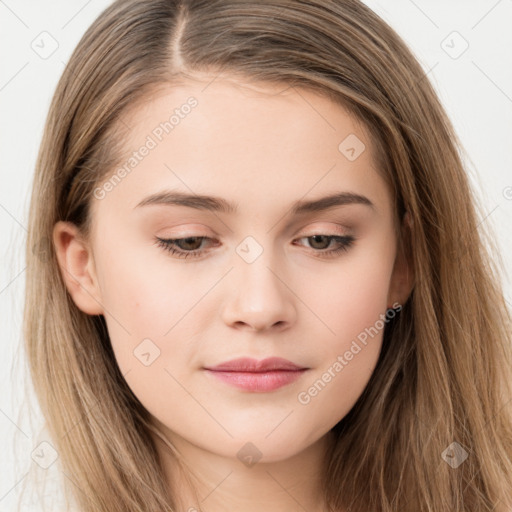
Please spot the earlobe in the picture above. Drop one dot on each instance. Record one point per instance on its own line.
(402, 278)
(77, 267)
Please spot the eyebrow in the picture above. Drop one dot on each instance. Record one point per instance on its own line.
(218, 204)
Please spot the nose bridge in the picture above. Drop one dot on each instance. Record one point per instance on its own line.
(260, 297)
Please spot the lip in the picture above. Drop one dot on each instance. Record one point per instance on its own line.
(257, 376)
(247, 364)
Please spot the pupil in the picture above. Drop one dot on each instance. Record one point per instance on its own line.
(316, 237)
(190, 240)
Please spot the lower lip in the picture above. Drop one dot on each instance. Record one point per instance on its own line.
(259, 382)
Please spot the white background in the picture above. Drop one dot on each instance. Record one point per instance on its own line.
(476, 89)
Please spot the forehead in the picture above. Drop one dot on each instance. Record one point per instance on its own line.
(256, 144)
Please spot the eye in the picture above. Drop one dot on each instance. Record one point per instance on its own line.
(190, 247)
(342, 243)
(183, 247)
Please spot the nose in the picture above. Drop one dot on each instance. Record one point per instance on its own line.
(258, 297)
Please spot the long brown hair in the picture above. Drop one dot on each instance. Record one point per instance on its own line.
(443, 375)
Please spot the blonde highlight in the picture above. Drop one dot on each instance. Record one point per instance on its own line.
(443, 374)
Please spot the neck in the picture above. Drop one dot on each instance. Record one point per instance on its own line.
(207, 481)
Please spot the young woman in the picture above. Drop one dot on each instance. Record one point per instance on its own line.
(266, 285)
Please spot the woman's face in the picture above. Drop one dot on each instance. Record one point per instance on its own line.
(272, 268)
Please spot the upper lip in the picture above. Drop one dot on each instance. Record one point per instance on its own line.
(247, 364)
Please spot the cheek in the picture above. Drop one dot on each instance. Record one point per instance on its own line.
(353, 297)
(148, 300)
(354, 317)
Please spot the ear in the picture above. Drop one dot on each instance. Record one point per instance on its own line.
(402, 278)
(77, 267)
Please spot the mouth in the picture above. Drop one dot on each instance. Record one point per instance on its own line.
(257, 376)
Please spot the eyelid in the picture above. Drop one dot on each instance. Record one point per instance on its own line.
(329, 229)
(298, 235)
(339, 229)
(185, 229)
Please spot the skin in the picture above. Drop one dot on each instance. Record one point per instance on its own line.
(263, 147)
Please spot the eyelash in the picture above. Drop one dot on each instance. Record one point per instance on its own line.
(169, 245)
